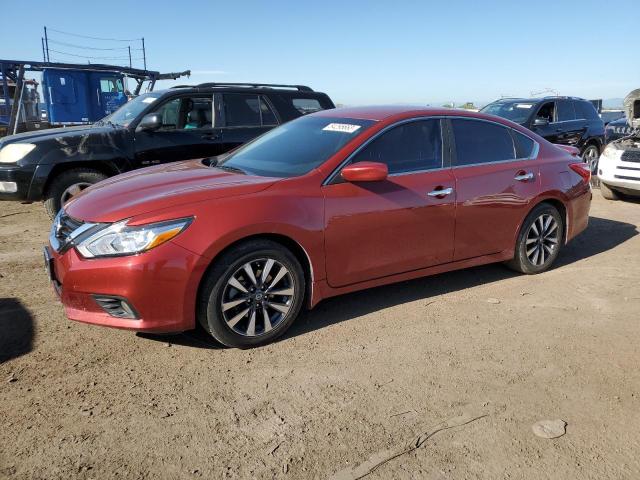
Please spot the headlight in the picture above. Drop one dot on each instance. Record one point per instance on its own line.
(118, 239)
(611, 153)
(15, 151)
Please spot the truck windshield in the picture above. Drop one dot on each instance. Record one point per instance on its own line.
(517, 112)
(296, 147)
(130, 110)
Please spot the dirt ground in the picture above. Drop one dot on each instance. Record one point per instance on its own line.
(461, 364)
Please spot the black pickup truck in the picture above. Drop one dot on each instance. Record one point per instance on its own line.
(181, 123)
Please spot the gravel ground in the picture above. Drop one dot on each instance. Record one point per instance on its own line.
(453, 370)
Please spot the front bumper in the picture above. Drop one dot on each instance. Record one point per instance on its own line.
(620, 174)
(15, 181)
(161, 285)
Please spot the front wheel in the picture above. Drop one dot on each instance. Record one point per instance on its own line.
(252, 294)
(67, 185)
(539, 240)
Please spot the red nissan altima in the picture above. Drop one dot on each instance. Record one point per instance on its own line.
(333, 202)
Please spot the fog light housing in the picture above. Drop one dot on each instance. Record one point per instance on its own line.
(116, 306)
(8, 187)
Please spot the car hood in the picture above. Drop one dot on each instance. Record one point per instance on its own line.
(155, 188)
(55, 133)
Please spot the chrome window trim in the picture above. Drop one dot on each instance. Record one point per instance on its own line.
(345, 162)
(533, 156)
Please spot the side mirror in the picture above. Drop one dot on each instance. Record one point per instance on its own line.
(150, 122)
(365, 172)
(540, 122)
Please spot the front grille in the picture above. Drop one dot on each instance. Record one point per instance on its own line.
(632, 156)
(624, 177)
(66, 230)
(67, 226)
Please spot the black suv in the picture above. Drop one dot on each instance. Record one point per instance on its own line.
(564, 120)
(181, 123)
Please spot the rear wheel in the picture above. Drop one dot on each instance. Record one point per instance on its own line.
(67, 185)
(608, 193)
(590, 156)
(252, 294)
(539, 240)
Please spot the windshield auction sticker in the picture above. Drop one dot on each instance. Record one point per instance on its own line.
(341, 127)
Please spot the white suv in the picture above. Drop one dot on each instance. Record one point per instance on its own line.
(619, 164)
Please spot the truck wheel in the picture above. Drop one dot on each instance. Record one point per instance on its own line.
(608, 193)
(68, 184)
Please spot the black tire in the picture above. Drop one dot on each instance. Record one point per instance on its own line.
(215, 286)
(590, 155)
(522, 262)
(608, 193)
(83, 177)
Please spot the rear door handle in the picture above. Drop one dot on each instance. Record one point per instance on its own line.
(524, 177)
(212, 136)
(440, 192)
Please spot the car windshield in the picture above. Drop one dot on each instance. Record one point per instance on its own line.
(296, 147)
(515, 111)
(130, 110)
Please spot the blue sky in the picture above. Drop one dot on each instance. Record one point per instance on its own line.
(360, 52)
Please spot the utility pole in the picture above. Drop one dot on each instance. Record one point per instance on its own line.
(144, 54)
(129, 47)
(46, 42)
(44, 56)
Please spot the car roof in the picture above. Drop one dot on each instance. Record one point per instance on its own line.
(298, 90)
(536, 99)
(390, 112)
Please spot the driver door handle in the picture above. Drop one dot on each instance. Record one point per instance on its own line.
(440, 192)
(524, 177)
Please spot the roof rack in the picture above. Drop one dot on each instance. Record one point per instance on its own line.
(301, 88)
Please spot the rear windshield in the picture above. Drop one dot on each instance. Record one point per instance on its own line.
(296, 147)
(517, 112)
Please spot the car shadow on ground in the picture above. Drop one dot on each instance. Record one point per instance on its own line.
(16, 329)
(601, 235)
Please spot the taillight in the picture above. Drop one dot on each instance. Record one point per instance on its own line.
(581, 169)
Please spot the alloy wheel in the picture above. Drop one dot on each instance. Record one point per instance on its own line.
(72, 190)
(542, 239)
(590, 157)
(257, 297)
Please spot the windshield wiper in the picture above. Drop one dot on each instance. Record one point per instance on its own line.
(229, 168)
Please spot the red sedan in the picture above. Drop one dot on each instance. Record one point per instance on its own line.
(333, 202)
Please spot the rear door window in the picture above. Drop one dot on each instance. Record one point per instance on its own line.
(241, 110)
(585, 111)
(480, 142)
(410, 147)
(247, 110)
(565, 111)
